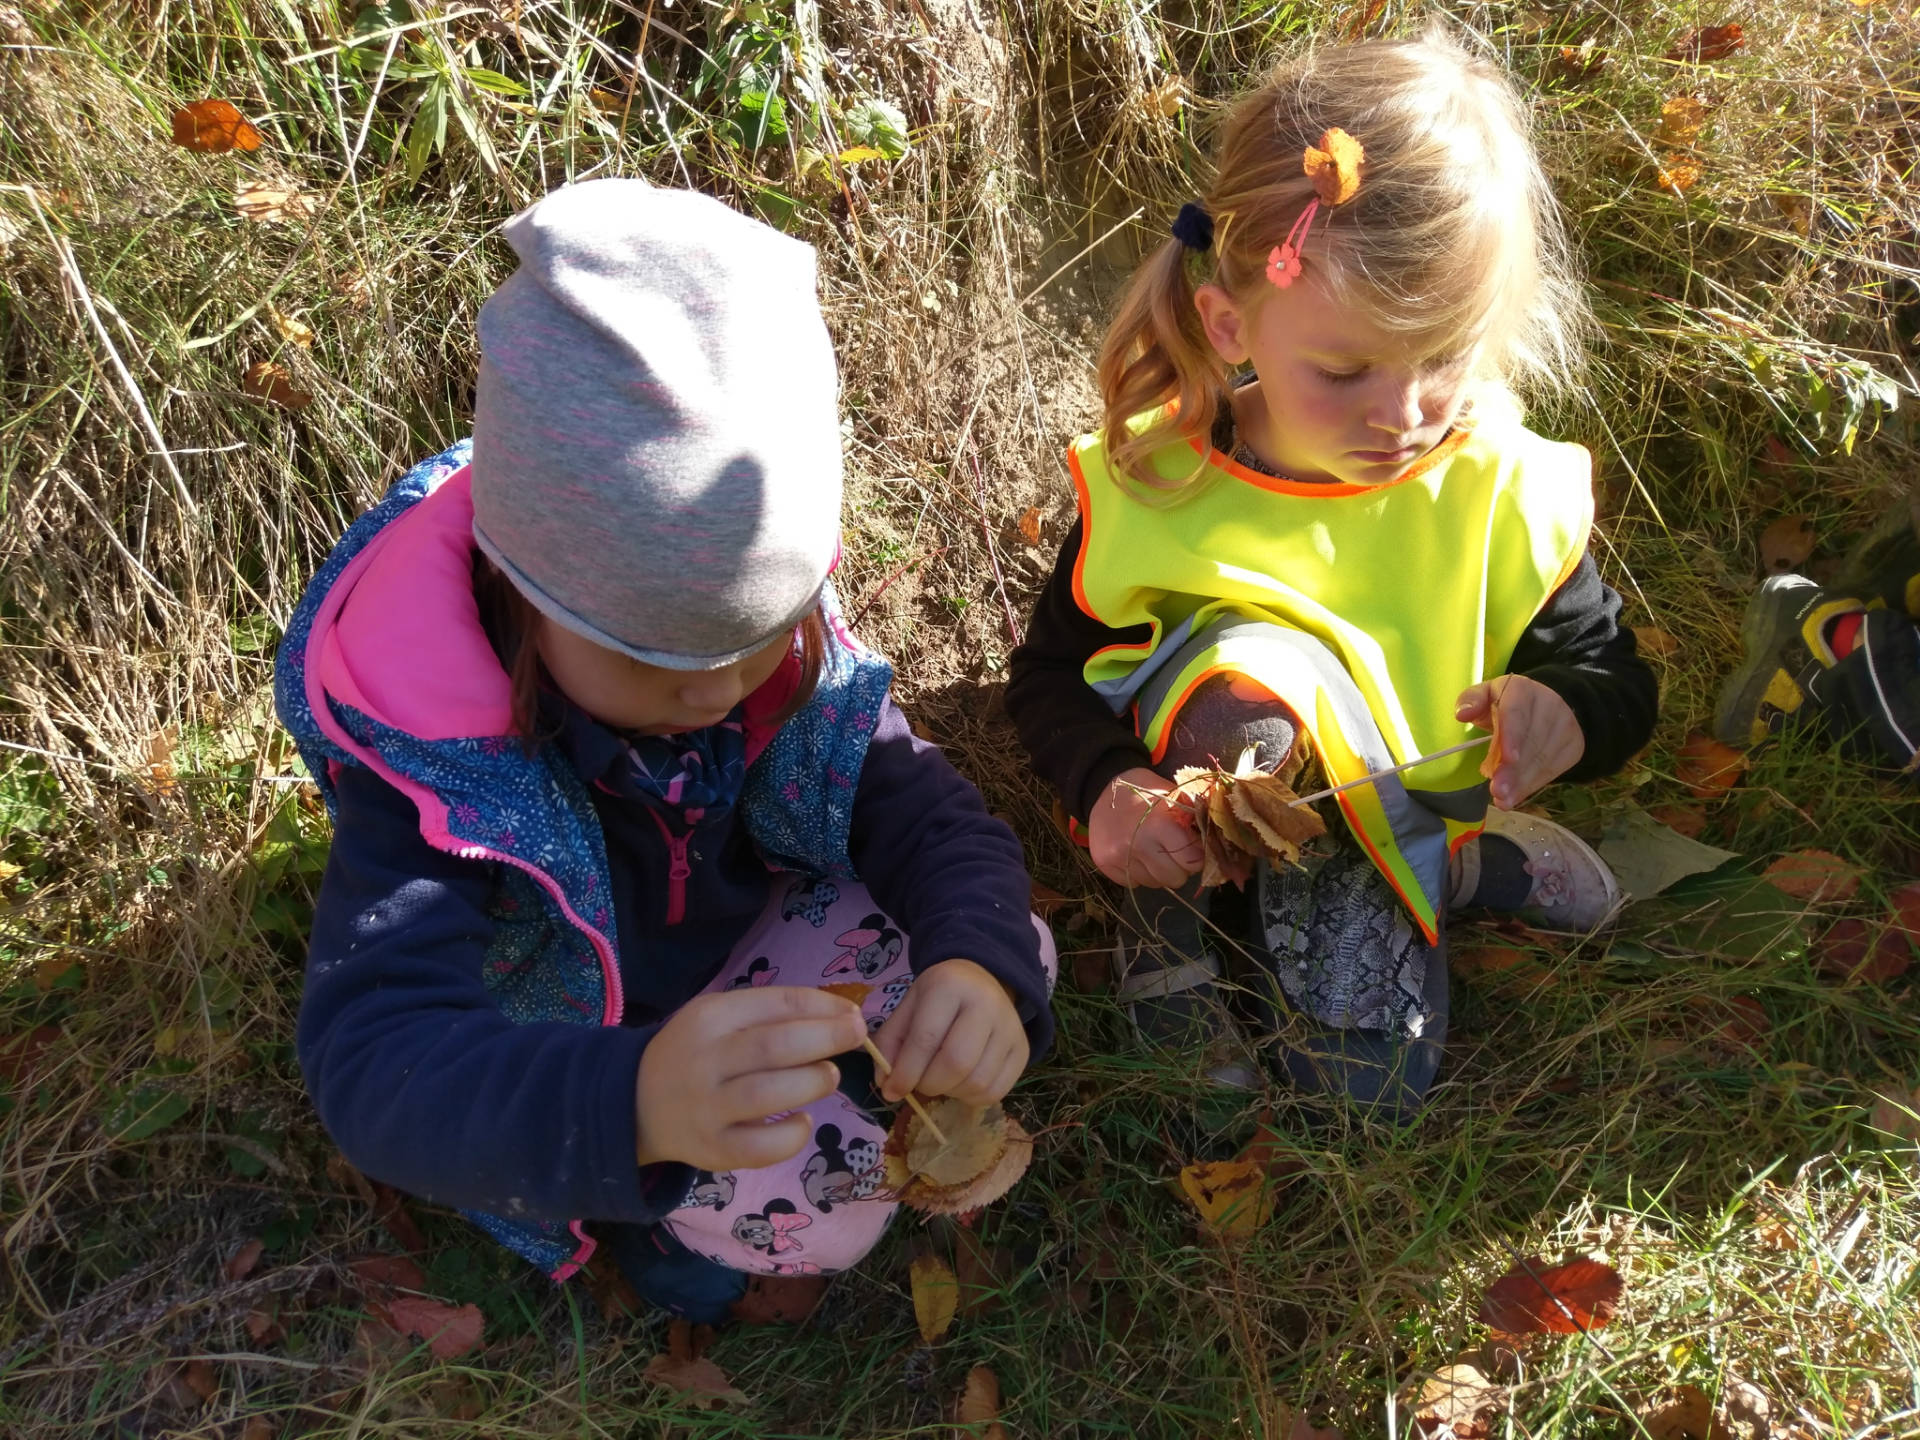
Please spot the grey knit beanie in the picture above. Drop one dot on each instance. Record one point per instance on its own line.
(656, 434)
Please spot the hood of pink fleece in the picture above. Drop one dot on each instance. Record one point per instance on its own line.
(400, 639)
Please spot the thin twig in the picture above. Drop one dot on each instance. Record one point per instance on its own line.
(986, 529)
(886, 1069)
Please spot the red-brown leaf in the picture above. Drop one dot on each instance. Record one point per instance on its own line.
(201, 1379)
(450, 1331)
(241, 1263)
(1905, 904)
(1687, 820)
(381, 1275)
(1786, 544)
(213, 127)
(1712, 42)
(390, 1207)
(1708, 768)
(1030, 526)
(1814, 875)
(780, 1299)
(1535, 1298)
(1852, 949)
(1046, 901)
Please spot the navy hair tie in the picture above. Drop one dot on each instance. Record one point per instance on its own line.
(1193, 227)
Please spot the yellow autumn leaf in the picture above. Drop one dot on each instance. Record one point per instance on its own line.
(936, 1295)
(1232, 1196)
(854, 154)
(294, 332)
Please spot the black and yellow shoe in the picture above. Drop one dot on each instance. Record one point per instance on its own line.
(1785, 652)
(1883, 569)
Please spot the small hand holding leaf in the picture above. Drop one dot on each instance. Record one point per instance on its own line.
(1535, 735)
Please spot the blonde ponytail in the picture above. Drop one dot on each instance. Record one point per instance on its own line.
(1155, 353)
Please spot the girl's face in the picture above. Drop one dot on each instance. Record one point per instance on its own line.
(631, 695)
(1337, 398)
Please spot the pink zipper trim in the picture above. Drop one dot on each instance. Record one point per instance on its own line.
(567, 1268)
(677, 870)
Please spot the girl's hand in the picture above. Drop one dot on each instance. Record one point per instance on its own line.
(726, 1061)
(956, 1033)
(1535, 736)
(1139, 835)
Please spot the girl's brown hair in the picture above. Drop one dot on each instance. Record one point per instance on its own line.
(1454, 236)
(509, 619)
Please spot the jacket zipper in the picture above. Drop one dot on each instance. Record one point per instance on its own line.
(678, 870)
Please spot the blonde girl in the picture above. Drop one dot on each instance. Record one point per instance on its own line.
(1313, 524)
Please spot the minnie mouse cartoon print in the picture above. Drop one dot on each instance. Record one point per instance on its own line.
(869, 948)
(835, 1173)
(761, 972)
(808, 900)
(771, 1233)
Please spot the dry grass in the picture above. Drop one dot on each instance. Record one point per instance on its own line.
(158, 522)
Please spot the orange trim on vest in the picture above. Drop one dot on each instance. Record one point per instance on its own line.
(1325, 489)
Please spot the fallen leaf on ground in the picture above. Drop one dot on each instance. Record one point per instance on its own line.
(704, 1384)
(1711, 42)
(390, 1208)
(1501, 970)
(1904, 904)
(1681, 119)
(1535, 1298)
(1458, 1401)
(213, 127)
(263, 1324)
(1853, 950)
(1647, 857)
(264, 204)
(19, 1053)
(1734, 1022)
(258, 1427)
(1677, 173)
(240, 1264)
(1278, 1159)
(1045, 900)
(450, 1331)
(1708, 768)
(1687, 1415)
(201, 1380)
(273, 383)
(1814, 875)
(1897, 1115)
(780, 1299)
(1291, 1424)
(160, 760)
(1093, 971)
(1232, 1196)
(1030, 525)
(936, 1296)
(294, 332)
(381, 1275)
(985, 1136)
(1687, 820)
(1652, 640)
(979, 1404)
(1574, 65)
(1786, 544)
(1796, 210)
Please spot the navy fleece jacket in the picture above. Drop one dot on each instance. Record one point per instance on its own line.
(425, 1085)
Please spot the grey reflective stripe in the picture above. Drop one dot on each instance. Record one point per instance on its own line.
(1119, 691)
(1418, 830)
(1469, 805)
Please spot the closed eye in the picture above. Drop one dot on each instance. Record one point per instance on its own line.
(1339, 377)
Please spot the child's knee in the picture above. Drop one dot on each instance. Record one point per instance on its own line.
(1227, 715)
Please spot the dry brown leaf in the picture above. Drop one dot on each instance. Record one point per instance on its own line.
(241, 1263)
(1814, 875)
(1232, 1196)
(849, 990)
(975, 1136)
(1535, 1298)
(1687, 820)
(1897, 1115)
(1266, 802)
(381, 1275)
(266, 204)
(1796, 210)
(160, 760)
(294, 332)
(1574, 65)
(201, 1379)
(1458, 1401)
(979, 1405)
(1708, 768)
(258, 1427)
(450, 1331)
(213, 127)
(1652, 640)
(918, 1191)
(1786, 543)
(780, 1299)
(1854, 950)
(1092, 971)
(1687, 1415)
(1501, 969)
(1291, 1424)
(1681, 119)
(704, 1384)
(1166, 98)
(1711, 42)
(936, 1296)
(1030, 525)
(267, 381)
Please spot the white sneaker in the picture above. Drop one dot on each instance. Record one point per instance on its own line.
(1572, 890)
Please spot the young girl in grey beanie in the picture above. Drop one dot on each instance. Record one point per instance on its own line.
(616, 793)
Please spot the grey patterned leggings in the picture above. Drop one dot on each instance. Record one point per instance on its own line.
(1357, 997)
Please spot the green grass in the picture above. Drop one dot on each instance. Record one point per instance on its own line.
(154, 928)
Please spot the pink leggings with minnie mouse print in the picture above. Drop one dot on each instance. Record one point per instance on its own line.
(818, 1212)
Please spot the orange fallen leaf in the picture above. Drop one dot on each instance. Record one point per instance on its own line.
(936, 1296)
(1687, 820)
(263, 1324)
(160, 760)
(849, 990)
(979, 1404)
(294, 332)
(1854, 950)
(267, 381)
(1652, 640)
(1708, 768)
(1535, 1298)
(450, 1331)
(265, 204)
(240, 1264)
(201, 1379)
(1681, 119)
(704, 1384)
(381, 1275)
(1814, 875)
(1574, 65)
(1460, 1402)
(258, 1427)
(1232, 1196)
(213, 127)
(1786, 543)
(1030, 525)
(1677, 173)
(1796, 210)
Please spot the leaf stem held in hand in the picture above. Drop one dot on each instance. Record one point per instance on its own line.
(886, 1069)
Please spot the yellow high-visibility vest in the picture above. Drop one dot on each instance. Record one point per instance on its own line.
(1391, 599)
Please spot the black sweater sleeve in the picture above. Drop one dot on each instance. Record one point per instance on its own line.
(1575, 646)
(1077, 744)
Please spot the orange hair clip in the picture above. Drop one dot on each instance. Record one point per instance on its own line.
(1334, 167)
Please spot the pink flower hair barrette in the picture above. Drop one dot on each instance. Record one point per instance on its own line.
(1334, 167)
